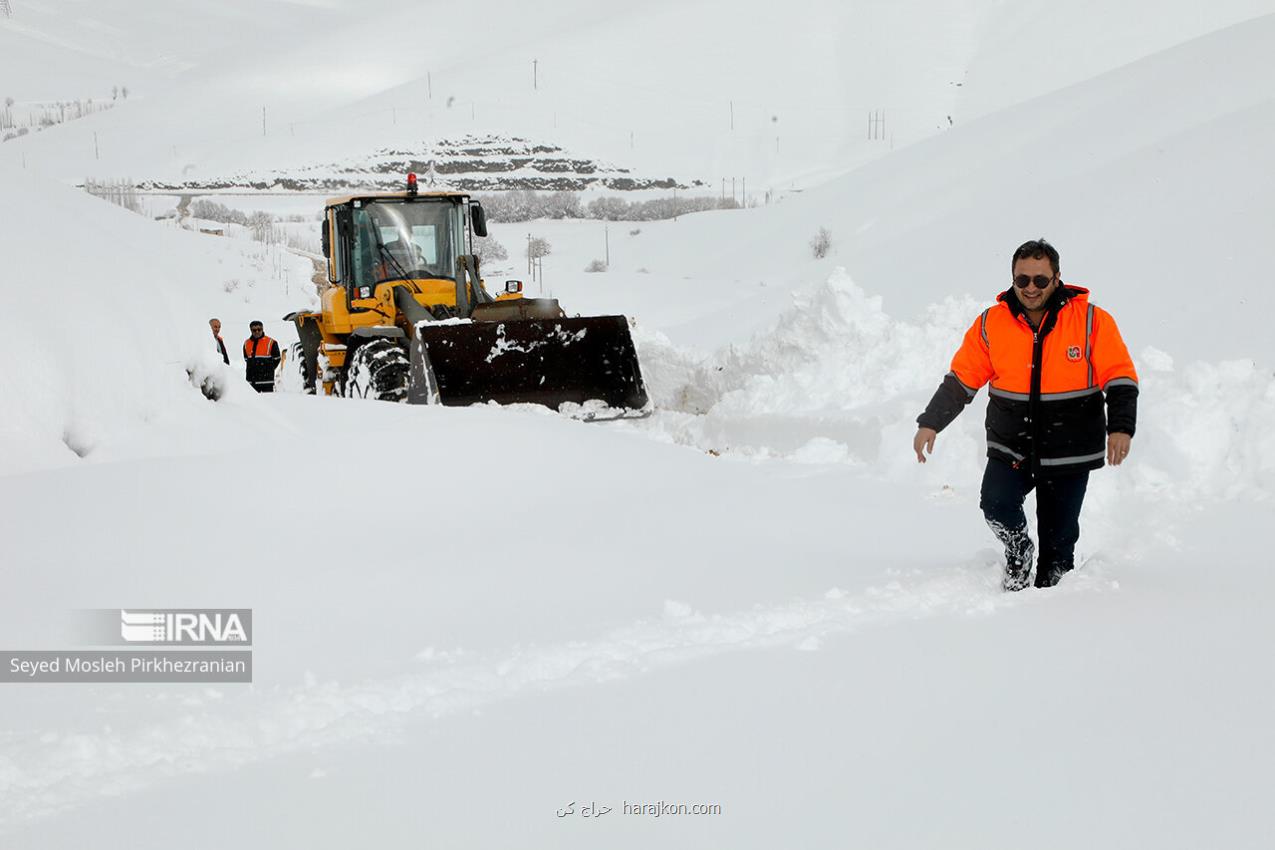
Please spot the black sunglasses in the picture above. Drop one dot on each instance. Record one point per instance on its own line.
(1040, 280)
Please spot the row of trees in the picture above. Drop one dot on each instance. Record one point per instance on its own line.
(119, 192)
(213, 211)
(262, 226)
(48, 114)
(525, 205)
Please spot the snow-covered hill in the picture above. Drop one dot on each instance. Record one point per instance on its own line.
(106, 311)
(1152, 180)
(778, 95)
(471, 164)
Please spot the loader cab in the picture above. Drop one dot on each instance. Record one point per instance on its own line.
(375, 239)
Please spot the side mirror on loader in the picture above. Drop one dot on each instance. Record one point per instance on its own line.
(325, 238)
(478, 217)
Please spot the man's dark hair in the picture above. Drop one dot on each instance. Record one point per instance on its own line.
(255, 324)
(1034, 250)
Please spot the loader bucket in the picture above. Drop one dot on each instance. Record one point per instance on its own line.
(536, 361)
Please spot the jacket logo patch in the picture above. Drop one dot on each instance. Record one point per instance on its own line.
(1073, 353)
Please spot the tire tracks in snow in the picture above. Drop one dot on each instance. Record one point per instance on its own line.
(41, 775)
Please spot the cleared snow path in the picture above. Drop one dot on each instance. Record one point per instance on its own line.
(39, 778)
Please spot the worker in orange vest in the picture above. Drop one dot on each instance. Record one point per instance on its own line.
(261, 358)
(1052, 359)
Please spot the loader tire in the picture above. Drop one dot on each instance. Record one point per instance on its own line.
(378, 369)
(297, 353)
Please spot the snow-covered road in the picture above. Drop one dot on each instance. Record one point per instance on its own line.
(565, 583)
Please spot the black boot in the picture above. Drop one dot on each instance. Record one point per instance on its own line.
(1018, 562)
(1048, 575)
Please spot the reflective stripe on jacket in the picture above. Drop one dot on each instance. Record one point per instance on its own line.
(1047, 385)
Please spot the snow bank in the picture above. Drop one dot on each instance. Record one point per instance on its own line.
(838, 379)
(1205, 429)
(834, 349)
(105, 312)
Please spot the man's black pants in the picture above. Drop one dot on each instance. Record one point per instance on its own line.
(263, 387)
(1058, 501)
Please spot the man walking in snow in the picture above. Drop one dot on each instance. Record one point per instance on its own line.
(261, 357)
(215, 324)
(1052, 358)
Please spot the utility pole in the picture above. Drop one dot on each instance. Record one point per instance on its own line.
(606, 233)
(97, 154)
(263, 121)
(535, 74)
(429, 82)
(732, 116)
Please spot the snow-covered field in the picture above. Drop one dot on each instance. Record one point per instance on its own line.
(470, 624)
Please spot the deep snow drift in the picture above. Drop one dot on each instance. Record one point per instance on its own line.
(105, 312)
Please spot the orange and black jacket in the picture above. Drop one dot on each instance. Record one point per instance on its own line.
(1048, 385)
(261, 357)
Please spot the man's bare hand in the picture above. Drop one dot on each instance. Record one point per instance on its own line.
(1118, 448)
(924, 439)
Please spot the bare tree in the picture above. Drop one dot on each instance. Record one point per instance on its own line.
(489, 250)
(537, 247)
(262, 225)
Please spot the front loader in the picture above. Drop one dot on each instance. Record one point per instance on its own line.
(405, 317)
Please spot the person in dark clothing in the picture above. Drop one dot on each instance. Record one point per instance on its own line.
(1051, 359)
(261, 358)
(215, 324)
